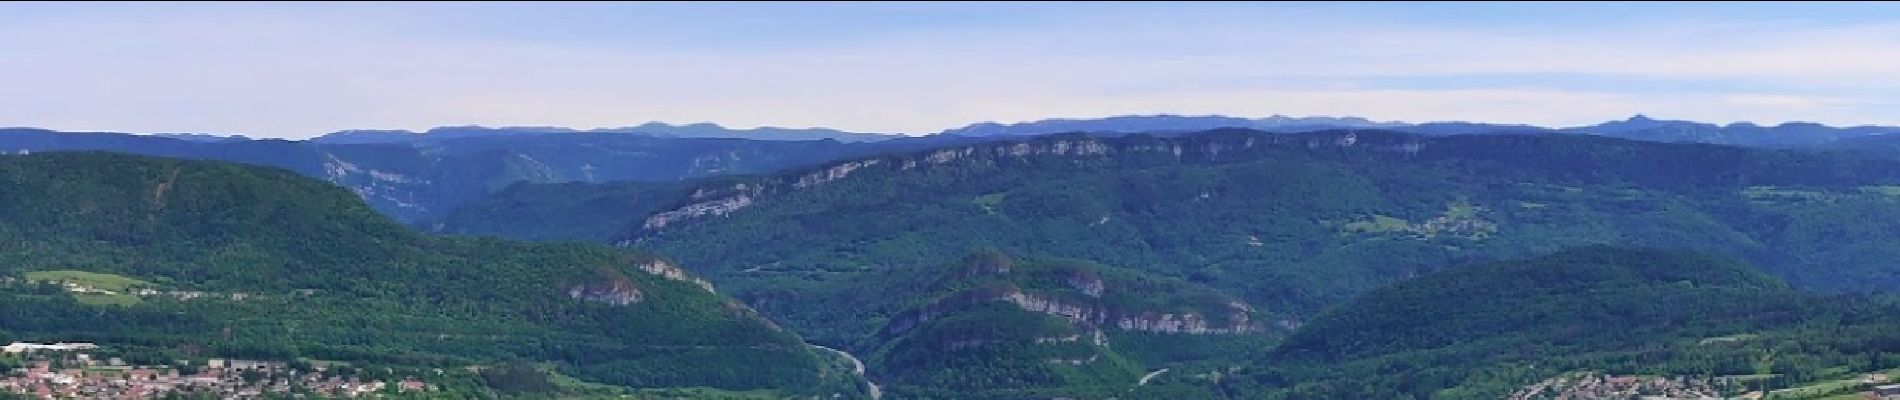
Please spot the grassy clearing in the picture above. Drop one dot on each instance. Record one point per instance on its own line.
(705, 393)
(575, 388)
(103, 289)
(989, 201)
(1818, 389)
(98, 299)
(116, 283)
(1379, 224)
(1740, 337)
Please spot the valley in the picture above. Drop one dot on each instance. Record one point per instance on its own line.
(950, 200)
(1208, 264)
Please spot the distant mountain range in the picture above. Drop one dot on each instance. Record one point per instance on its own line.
(1638, 127)
(1166, 123)
(424, 174)
(653, 129)
(416, 176)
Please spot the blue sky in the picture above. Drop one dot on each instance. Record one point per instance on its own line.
(302, 69)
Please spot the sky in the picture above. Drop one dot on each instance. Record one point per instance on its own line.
(297, 70)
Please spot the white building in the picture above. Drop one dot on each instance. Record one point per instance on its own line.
(22, 347)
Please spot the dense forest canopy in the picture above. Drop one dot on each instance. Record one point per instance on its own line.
(1292, 223)
(241, 261)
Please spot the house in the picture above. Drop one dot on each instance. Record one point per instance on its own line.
(1887, 392)
(413, 385)
(253, 364)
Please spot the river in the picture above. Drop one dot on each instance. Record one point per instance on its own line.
(858, 368)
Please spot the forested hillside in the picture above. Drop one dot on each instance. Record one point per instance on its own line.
(1290, 223)
(197, 258)
(1706, 325)
(994, 326)
(415, 177)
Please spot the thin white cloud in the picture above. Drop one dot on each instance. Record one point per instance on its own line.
(300, 74)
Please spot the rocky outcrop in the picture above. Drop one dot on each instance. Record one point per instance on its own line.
(610, 286)
(739, 310)
(1218, 145)
(1238, 320)
(948, 155)
(611, 294)
(989, 263)
(1187, 323)
(675, 273)
(607, 286)
(1075, 147)
(1192, 324)
(390, 189)
(741, 196)
(1073, 361)
(833, 173)
(1094, 336)
(1071, 312)
(1086, 282)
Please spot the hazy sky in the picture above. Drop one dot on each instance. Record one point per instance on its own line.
(298, 70)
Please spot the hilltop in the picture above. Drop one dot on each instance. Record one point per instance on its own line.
(204, 258)
(1495, 330)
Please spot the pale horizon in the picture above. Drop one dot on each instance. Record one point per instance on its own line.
(298, 70)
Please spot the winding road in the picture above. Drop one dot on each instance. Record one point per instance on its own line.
(858, 368)
(1150, 375)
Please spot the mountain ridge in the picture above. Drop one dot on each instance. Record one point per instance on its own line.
(1302, 219)
(1493, 330)
(703, 130)
(1638, 126)
(415, 180)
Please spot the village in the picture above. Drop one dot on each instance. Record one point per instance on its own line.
(1869, 386)
(69, 370)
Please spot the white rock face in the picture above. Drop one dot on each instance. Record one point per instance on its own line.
(675, 273)
(1190, 323)
(948, 155)
(721, 201)
(834, 173)
(1072, 361)
(1089, 285)
(388, 176)
(719, 206)
(1071, 312)
(617, 293)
